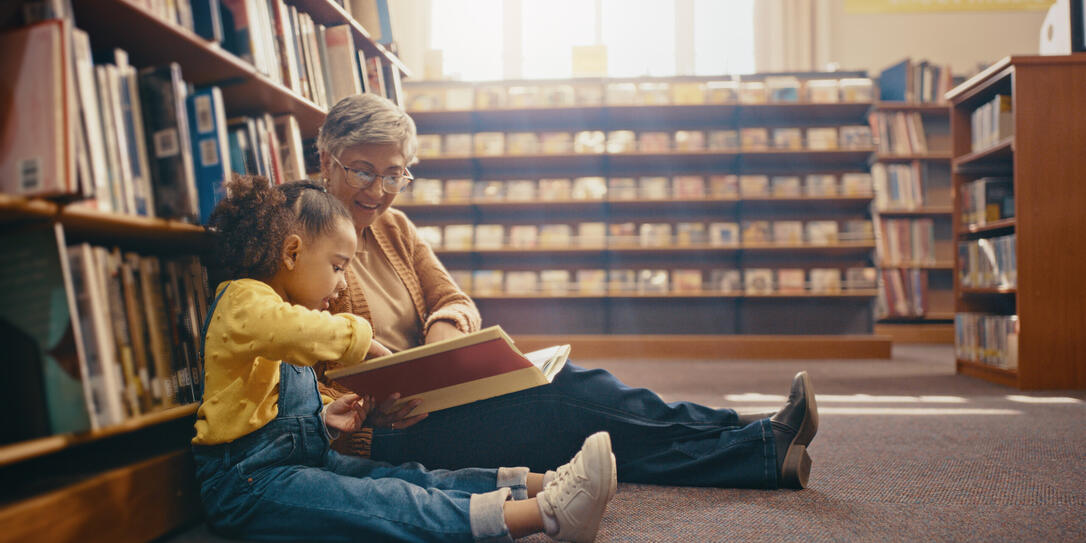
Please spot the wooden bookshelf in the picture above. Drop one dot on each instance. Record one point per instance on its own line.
(134, 480)
(1044, 156)
(612, 314)
(935, 279)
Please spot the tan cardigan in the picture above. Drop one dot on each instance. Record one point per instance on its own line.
(436, 298)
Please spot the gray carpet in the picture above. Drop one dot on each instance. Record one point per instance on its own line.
(906, 451)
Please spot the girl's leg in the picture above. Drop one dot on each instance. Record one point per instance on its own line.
(654, 441)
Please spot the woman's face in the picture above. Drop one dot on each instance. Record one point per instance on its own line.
(369, 203)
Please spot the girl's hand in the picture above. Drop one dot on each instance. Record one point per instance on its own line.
(388, 415)
(376, 350)
(442, 330)
(348, 412)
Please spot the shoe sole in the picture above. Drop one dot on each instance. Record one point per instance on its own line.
(796, 469)
(588, 531)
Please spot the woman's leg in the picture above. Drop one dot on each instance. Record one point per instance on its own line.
(654, 441)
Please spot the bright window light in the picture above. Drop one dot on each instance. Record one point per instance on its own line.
(640, 37)
(469, 34)
(1042, 399)
(551, 29)
(723, 37)
(754, 397)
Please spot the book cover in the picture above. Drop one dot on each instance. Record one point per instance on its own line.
(788, 138)
(459, 237)
(342, 63)
(458, 190)
(791, 281)
(621, 141)
(722, 92)
(489, 97)
(825, 280)
(754, 186)
(431, 235)
(821, 185)
(621, 281)
(207, 119)
(589, 141)
(520, 190)
(488, 282)
(554, 282)
(556, 143)
(652, 281)
(40, 330)
(489, 143)
(488, 191)
(754, 139)
(622, 188)
(37, 157)
(555, 189)
(686, 281)
(555, 235)
(823, 91)
(788, 232)
(462, 278)
(654, 188)
(429, 145)
(726, 281)
(758, 281)
(654, 142)
(786, 186)
(689, 187)
(856, 184)
(724, 186)
(591, 281)
(821, 232)
(655, 234)
(689, 140)
(620, 234)
(592, 234)
(523, 143)
(822, 139)
(521, 282)
(455, 371)
(589, 188)
(523, 236)
(753, 92)
(489, 236)
(523, 96)
(162, 94)
(426, 191)
(723, 233)
(782, 88)
(689, 234)
(756, 232)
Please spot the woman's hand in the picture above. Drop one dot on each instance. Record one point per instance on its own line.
(442, 330)
(389, 415)
(348, 412)
(377, 349)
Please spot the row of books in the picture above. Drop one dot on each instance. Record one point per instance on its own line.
(898, 132)
(912, 81)
(899, 186)
(987, 339)
(907, 242)
(646, 234)
(988, 262)
(986, 200)
(902, 293)
(139, 142)
(680, 187)
(749, 281)
(991, 123)
(773, 89)
(629, 141)
(121, 328)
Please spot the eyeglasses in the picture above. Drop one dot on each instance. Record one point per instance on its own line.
(362, 179)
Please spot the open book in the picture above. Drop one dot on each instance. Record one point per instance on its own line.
(455, 371)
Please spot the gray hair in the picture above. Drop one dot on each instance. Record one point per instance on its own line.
(367, 118)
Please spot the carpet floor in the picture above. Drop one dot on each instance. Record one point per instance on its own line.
(906, 451)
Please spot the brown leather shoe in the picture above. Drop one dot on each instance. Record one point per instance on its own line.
(794, 426)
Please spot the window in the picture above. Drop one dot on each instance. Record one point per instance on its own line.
(469, 35)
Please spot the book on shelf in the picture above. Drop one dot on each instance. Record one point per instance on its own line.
(819, 184)
(652, 281)
(723, 140)
(488, 282)
(556, 143)
(589, 188)
(689, 140)
(520, 190)
(791, 281)
(724, 186)
(591, 234)
(421, 99)
(207, 118)
(722, 92)
(40, 328)
(523, 96)
(555, 235)
(752, 92)
(756, 232)
(783, 88)
(654, 187)
(726, 281)
(907, 241)
(860, 230)
(560, 95)
(899, 132)
(787, 186)
(121, 89)
(754, 138)
(343, 70)
(459, 98)
(897, 185)
(458, 191)
(788, 138)
(291, 147)
(986, 200)
(99, 187)
(591, 281)
(459, 236)
(988, 262)
(687, 93)
(689, 234)
(758, 281)
(654, 93)
(723, 233)
(686, 281)
(490, 97)
(521, 282)
(621, 141)
(788, 232)
(654, 142)
(589, 141)
(825, 280)
(429, 146)
(489, 236)
(912, 81)
(588, 94)
(754, 186)
(453, 372)
(902, 293)
(655, 234)
(823, 91)
(457, 145)
(431, 235)
(489, 143)
(427, 191)
(523, 143)
(554, 282)
(39, 116)
(555, 189)
(856, 137)
(462, 278)
(822, 138)
(488, 191)
(857, 89)
(987, 339)
(622, 94)
(821, 232)
(162, 94)
(524, 236)
(861, 278)
(622, 234)
(856, 184)
(689, 187)
(622, 188)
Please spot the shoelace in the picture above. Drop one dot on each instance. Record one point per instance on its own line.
(561, 474)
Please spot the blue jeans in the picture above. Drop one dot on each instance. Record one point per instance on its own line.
(282, 483)
(656, 442)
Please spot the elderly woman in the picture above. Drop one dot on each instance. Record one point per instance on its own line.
(396, 282)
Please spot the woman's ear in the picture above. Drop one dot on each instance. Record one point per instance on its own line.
(291, 247)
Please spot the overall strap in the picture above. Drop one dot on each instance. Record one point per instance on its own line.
(203, 335)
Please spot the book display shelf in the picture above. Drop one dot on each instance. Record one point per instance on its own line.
(687, 208)
(1018, 141)
(122, 469)
(912, 215)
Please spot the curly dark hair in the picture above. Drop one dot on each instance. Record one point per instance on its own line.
(254, 219)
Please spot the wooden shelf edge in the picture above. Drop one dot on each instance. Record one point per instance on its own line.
(858, 293)
(918, 332)
(1001, 224)
(836, 247)
(24, 450)
(139, 502)
(933, 210)
(989, 373)
(989, 290)
(628, 107)
(1006, 145)
(714, 347)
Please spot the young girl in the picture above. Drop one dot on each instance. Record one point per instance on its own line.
(262, 432)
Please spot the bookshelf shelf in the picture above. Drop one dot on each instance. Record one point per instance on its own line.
(25, 450)
(329, 13)
(917, 265)
(842, 248)
(859, 293)
(920, 211)
(936, 108)
(838, 202)
(912, 157)
(1045, 336)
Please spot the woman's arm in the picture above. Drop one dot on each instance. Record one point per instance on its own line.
(447, 306)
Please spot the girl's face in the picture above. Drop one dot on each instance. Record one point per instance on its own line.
(369, 203)
(314, 270)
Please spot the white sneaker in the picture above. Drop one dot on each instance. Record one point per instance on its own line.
(579, 493)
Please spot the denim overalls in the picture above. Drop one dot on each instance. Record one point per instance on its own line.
(283, 482)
